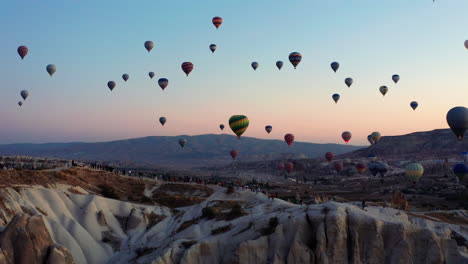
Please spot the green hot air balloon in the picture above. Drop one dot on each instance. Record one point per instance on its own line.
(414, 171)
(239, 124)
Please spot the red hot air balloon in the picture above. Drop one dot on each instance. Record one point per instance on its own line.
(360, 167)
(217, 21)
(22, 51)
(329, 156)
(295, 58)
(187, 67)
(289, 138)
(338, 166)
(234, 154)
(346, 136)
(289, 167)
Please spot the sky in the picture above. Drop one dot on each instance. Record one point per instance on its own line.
(92, 42)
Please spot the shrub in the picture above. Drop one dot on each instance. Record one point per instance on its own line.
(208, 213)
(230, 189)
(188, 244)
(236, 211)
(108, 191)
(221, 229)
(270, 229)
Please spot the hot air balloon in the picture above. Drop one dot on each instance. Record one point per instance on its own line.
(24, 94)
(149, 45)
(163, 82)
(51, 69)
(162, 120)
(22, 51)
(373, 168)
(348, 81)
(111, 85)
(414, 105)
(279, 64)
(289, 138)
(213, 47)
(414, 171)
(466, 44)
(295, 58)
(187, 67)
(329, 156)
(372, 157)
(217, 21)
(151, 74)
(338, 166)
(268, 129)
(460, 170)
(383, 90)
(20, 103)
(288, 166)
(221, 126)
(396, 78)
(382, 168)
(346, 136)
(239, 124)
(233, 154)
(360, 167)
(254, 65)
(457, 119)
(336, 97)
(376, 137)
(371, 141)
(335, 65)
(125, 77)
(182, 142)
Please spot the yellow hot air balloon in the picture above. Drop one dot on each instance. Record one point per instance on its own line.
(239, 124)
(414, 171)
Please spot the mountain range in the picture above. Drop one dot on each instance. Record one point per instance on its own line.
(164, 151)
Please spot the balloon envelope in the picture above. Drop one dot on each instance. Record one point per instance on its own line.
(20, 103)
(279, 64)
(295, 58)
(329, 156)
(239, 124)
(22, 51)
(338, 166)
(163, 82)
(149, 45)
(376, 137)
(466, 44)
(24, 94)
(371, 141)
(348, 81)
(234, 154)
(383, 90)
(111, 85)
(187, 67)
(125, 77)
(51, 69)
(268, 129)
(360, 167)
(396, 78)
(457, 119)
(335, 65)
(346, 136)
(289, 139)
(213, 47)
(162, 120)
(151, 74)
(414, 171)
(288, 166)
(414, 105)
(182, 142)
(254, 65)
(336, 97)
(221, 126)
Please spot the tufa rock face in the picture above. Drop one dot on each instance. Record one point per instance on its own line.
(26, 240)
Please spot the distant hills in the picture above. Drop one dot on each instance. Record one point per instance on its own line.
(437, 143)
(153, 152)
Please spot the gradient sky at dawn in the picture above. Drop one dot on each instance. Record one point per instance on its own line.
(93, 42)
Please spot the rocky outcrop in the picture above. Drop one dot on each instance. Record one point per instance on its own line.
(26, 240)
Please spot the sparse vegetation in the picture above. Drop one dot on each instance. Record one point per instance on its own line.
(144, 251)
(208, 213)
(230, 189)
(222, 229)
(154, 219)
(108, 191)
(186, 225)
(236, 211)
(188, 244)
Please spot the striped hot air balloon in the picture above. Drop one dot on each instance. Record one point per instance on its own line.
(346, 136)
(338, 166)
(22, 51)
(217, 21)
(163, 83)
(233, 154)
(289, 138)
(361, 167)
(295, 58)
(187, 67)
(239, 124)
(414, 171)
(329, 156)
